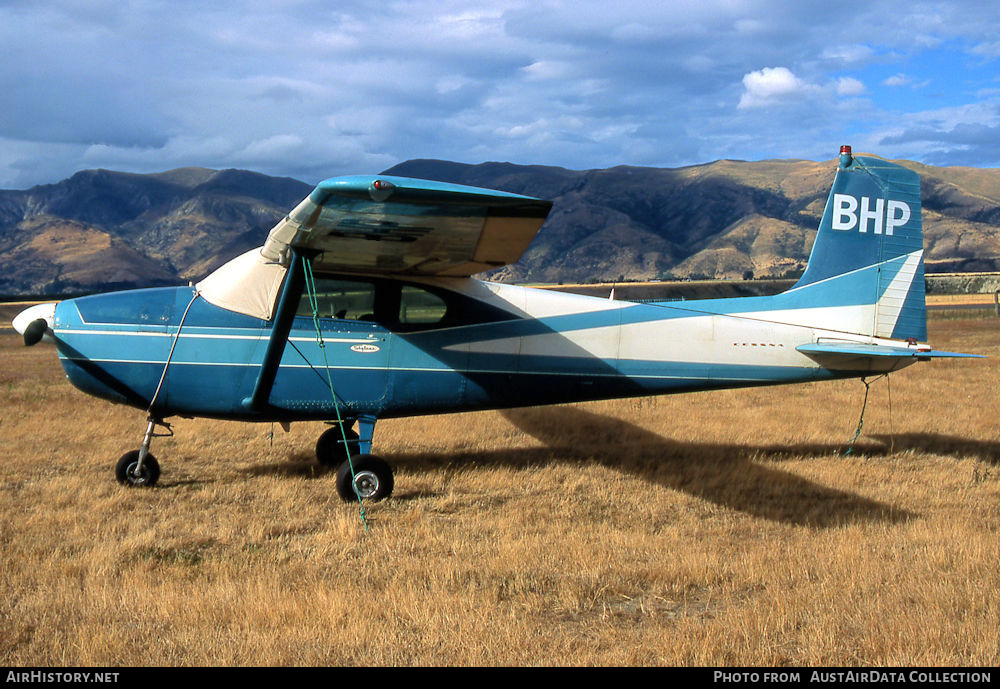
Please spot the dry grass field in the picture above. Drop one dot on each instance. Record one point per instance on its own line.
(721, 528)
(974, 298)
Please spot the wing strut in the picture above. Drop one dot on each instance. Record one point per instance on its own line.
(287, 306)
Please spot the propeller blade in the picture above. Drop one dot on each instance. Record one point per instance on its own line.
(35, 322)
(34, 331)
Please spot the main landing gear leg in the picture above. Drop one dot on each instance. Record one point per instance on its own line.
(139, 467)
(364, 476)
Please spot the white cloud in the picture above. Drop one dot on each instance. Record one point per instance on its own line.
(964, 135)
(849, 86)
(849, 54)
(769, 86)
(271, 147)
(451, 83)
(990, 49)
(544, 70)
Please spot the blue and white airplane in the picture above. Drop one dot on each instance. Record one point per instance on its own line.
(361, 306)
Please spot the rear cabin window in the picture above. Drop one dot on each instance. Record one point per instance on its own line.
(417, 306)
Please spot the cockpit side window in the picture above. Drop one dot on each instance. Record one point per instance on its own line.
(395, 305)
(343, 299)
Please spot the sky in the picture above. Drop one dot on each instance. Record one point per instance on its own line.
(314, 89)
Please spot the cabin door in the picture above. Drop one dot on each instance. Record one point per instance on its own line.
(354, 352)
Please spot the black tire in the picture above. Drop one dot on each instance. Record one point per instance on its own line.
(150, 470)
(330, 451)
(371, 479)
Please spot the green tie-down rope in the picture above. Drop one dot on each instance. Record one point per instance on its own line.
(864, 405)
(314, 304)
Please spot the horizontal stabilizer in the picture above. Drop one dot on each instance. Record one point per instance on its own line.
(860, 356)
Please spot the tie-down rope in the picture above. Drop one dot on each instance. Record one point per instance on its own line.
(314, 304)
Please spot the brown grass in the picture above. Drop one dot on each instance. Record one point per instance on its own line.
(723, 528)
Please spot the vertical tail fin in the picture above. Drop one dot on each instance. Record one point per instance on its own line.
(869, 247)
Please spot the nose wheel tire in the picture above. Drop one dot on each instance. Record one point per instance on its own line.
(125, 470)
(371, 479)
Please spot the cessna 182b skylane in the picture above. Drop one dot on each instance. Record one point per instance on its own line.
(361, 306)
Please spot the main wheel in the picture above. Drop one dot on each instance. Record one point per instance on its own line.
(370, 480)
(125, 470)
(330, 450)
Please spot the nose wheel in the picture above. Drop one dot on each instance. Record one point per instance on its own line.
(139, 468)
(130, 474)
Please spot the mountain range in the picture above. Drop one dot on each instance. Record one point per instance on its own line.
(102, 230)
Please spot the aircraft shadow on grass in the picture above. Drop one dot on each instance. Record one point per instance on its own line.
(728, 475)
(948, 445)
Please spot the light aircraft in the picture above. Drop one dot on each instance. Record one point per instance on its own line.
(361, 306)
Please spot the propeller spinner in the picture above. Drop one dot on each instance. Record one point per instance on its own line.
(35, 323)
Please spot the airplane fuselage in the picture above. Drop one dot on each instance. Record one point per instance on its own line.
(476, 345)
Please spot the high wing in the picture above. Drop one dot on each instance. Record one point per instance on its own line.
(398, 225)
